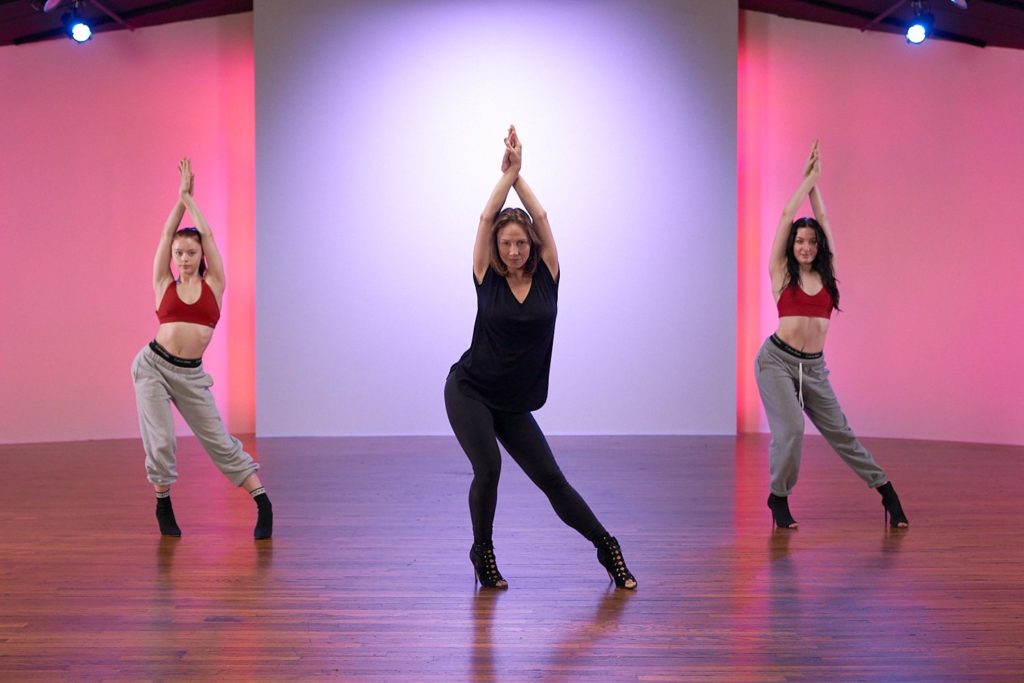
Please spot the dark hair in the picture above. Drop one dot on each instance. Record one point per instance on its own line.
(193, 234)
(822, 263)
(519, 216)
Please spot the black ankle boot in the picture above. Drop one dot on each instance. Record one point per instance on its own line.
(609, 554)
(264, 517)
(779, 505)
(165, 517)
(485, 566)
(893, 510)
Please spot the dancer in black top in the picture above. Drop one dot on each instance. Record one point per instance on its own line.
(493, 388)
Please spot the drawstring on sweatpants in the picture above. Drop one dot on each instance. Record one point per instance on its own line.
(774, 339)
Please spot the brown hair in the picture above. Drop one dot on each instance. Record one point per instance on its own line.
(520, 217)
(192, 234)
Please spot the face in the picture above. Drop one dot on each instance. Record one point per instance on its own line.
(805, 247)
(513, 246)
(187, 254)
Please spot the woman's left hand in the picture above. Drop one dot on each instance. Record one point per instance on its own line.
(187, 178)
(513, 151)
(813, 164)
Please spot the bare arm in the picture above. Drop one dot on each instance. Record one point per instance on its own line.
(777, 256)
(548, 251)
(214, 264)
(162, 260)
(818, 207)
(511, 164)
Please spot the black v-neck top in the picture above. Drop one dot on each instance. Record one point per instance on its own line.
(509, 359)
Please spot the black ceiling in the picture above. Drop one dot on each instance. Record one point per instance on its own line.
(985, 22)
(23, 21)
(996, 23)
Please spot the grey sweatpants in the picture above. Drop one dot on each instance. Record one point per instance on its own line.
(781, 379)
(158, 383)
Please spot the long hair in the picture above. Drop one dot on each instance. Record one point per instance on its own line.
(822, 263)
(193, 234)
(504, 217)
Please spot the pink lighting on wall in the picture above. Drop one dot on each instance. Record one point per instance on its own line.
(90, 138)
(921, 178)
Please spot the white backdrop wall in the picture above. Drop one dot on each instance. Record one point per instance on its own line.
(378, 138)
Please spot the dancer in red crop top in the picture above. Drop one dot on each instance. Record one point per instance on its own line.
(791, 373)
(169, 369)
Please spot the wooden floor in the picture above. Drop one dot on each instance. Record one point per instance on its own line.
(367, 576)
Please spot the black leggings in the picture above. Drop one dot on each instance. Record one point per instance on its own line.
(477, 427)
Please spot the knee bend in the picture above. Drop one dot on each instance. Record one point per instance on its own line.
(790, 434)
(486, 477)
(552, 482)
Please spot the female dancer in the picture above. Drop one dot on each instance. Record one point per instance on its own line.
(492, 389)
(791, 372)
(169, 369)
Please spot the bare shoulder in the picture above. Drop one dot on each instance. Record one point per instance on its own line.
(216, 286)
(161, 284)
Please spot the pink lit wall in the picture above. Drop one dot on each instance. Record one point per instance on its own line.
(379, 128)
(921, 175)
(89, 137)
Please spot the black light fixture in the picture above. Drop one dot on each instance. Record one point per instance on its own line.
(77, 28)
(920, 27)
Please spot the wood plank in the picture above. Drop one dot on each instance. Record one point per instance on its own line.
(367, 577)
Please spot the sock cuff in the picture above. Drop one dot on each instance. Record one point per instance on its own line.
(257, 491)
(163, 494)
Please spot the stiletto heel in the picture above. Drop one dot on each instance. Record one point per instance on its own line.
(894, 515)
(485, 566)
(781, 517)
(609, 554)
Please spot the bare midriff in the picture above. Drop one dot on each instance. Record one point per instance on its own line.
(184, 340)
(803, 332)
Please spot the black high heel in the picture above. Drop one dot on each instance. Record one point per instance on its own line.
(781, 517)
(609, 554)
(165, 517)
(894, 514)
(485, 566)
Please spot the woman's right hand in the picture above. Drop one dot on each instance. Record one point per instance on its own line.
(813, 164)
(187, 178)
(513, 157)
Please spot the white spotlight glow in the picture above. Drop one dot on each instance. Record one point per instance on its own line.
(916, 34)
(81, 32)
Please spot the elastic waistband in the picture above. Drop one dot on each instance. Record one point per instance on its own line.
(172, 359)
(783, 346)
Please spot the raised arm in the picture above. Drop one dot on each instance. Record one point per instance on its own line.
(510, 165)
(818, 207)
(162, 260)
(548, 250)
(777, 256)
(214, 264)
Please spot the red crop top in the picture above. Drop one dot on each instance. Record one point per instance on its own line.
(795, 301)
(202, 312)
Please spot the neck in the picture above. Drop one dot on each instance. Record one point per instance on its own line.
(188, 279)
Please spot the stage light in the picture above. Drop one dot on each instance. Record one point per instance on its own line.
(78, 29)
(962, 4)
(80, 32)
(920, 27)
